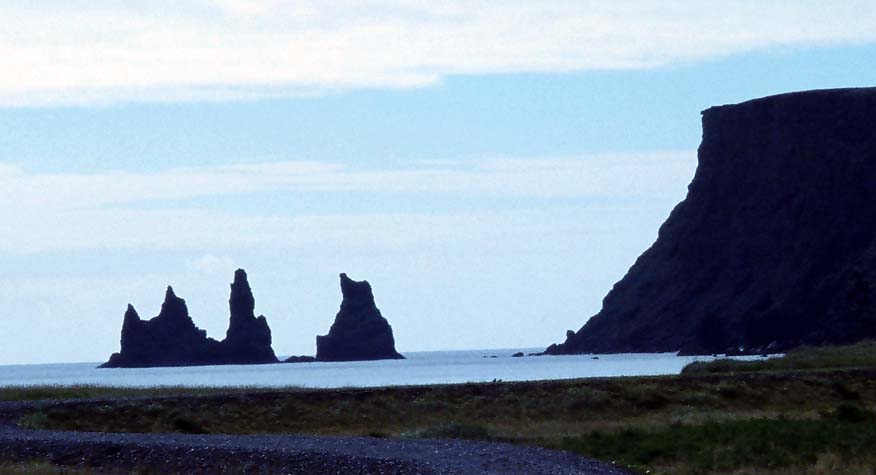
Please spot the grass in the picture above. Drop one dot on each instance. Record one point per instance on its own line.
(595, 417)
(801, 415)
(861, 355)
(87, 391)
(513, 411)
(724, 447)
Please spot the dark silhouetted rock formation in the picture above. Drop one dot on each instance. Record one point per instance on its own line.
(359, 332)
(248, 339)
(172, 339)
(300, 359)
(775, 244)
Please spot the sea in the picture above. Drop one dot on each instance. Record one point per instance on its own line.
(432, 367)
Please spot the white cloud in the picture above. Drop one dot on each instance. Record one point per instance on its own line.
(50, 211)
(103, 52)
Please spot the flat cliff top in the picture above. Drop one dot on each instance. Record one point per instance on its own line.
(798, 97)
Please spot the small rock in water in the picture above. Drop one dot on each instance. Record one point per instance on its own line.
(299, 359)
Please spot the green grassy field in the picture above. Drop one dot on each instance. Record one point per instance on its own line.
(85, 391)
(861, 355)
(809, 413)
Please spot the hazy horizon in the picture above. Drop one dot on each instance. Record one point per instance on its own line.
(491, 170)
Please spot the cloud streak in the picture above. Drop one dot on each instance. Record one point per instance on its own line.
(93, 52)
(51, 211)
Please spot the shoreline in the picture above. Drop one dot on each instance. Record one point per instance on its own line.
(551, 415)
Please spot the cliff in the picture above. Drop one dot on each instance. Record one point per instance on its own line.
(359, 331)
(774, 245)
(172, 339)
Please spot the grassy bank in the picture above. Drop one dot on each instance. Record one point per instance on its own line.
(780, 418)
(87, 391)
(861, 355)
(593, 417)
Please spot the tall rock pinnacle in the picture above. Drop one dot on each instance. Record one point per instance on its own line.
(241, 303)
(248, 339)
(359, 331)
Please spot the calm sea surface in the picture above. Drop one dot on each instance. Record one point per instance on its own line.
(420, 368)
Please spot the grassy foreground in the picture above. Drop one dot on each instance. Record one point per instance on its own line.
(861, 355)
(780, 417)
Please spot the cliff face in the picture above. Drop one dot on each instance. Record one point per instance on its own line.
(774, 245)
(359, 331)
(172, 339)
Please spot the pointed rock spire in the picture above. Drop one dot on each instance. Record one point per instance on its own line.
(359, 332)
(357, 296)
(174, 307)
(130, 327)
(172, 339)
(241, 302)
(131, 315)
(248, 339)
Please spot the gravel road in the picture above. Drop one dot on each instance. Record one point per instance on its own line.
(288, 454)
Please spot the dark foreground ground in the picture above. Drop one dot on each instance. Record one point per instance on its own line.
(209, 454)
(810, 413)
(174, 452)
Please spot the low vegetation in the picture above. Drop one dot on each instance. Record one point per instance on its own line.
(849, 433)
(861, 355)
(87, 391)
(792, 417)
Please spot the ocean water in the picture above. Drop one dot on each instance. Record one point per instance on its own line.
(437, 367)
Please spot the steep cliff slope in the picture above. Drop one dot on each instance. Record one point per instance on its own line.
(775, 244)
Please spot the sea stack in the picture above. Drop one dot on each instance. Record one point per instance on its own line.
(248, 339)
(169, 339)
(774, 246)
(359, 331)
(172, 339)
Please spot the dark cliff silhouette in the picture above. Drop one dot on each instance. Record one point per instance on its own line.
(359, 331)
(172, 339)
(774, 245)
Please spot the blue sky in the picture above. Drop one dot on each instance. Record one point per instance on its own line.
(491, 170)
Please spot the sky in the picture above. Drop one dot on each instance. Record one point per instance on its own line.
(492, 168)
